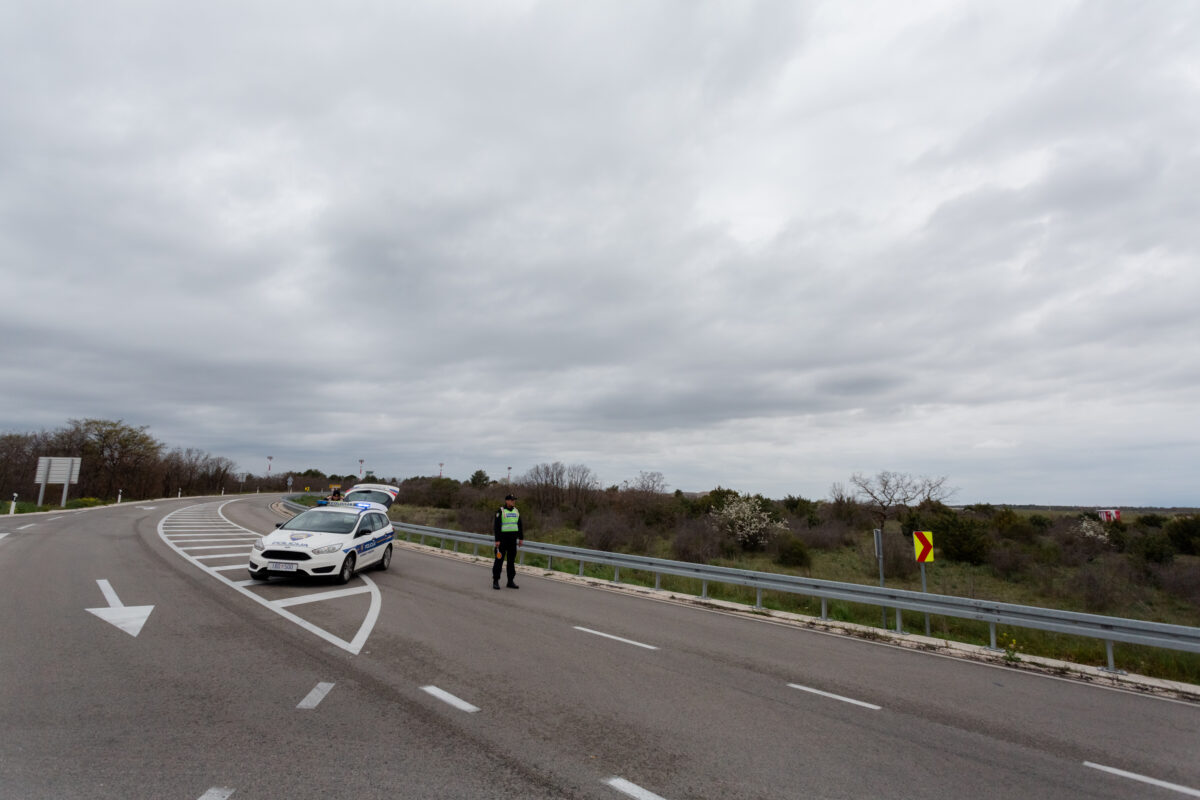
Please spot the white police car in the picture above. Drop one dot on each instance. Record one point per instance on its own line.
(336, 539)
(380, 493)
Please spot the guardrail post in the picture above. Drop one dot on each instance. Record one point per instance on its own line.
(475, 550)
(1112, 667)
(899, 627)
(522, 558)
(616, 574)
(992, 628)
(549, 562)
(758, 598)
(825, 608)
(704, 588)
(657, 581)
(581, 567)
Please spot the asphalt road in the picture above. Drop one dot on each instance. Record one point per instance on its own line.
(423, 682)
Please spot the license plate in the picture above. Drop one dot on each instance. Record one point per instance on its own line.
(281, 566)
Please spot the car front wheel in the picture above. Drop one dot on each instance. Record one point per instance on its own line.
(385, 560)
(347, 571)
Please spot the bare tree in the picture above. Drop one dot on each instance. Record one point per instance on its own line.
(581, 483)
(889, 494)
(649, 482)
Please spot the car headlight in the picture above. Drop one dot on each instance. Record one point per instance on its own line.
(259, 545)
(329, 548)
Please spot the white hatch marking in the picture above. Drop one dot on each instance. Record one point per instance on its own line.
(616, 638)
(835, 696)
(446, 697)
(632, 789)
(2, 535)
(210, 514)
(313, 698)
(316, 598)
(1174, 787)
(30, 525)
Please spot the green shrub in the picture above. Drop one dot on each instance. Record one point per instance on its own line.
(791, 551)
(964, 539)
(1184, 533)
(1154, 547)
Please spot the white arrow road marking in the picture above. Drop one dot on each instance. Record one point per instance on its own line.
(128, 618)
(315, 696)
(632, 789)
(1175, 787)
(616, 638)
(446, 697)
(835, 696)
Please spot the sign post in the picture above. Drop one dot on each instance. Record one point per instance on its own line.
(879, 556)
(923, 549)
(56, 470)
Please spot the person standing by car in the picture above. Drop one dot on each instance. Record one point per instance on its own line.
(510, 534)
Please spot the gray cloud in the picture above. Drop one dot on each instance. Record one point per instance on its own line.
(758, 245)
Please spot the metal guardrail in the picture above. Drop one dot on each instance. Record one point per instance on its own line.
(1095, 626)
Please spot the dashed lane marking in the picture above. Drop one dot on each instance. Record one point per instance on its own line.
(217, 793)
(313, 698)
(446, 697)
(1174, 787)
(616, 638)
(835, 696)
(207, 519)
(632, 789)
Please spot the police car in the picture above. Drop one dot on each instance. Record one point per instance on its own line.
(380, 493)
(336, 539)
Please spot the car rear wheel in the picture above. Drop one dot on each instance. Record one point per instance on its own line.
(385, 560)
(347, 571)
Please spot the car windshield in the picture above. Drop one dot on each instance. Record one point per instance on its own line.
(322, 521)
(369, 496)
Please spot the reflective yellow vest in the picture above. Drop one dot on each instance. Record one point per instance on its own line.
(508, 520)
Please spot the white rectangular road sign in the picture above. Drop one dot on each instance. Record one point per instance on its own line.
(57, 470)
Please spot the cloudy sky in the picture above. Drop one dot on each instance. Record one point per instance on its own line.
(757, 245)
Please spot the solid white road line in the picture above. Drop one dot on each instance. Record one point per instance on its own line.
(217, 793)
(315, 696)
(30, 525)
(616, 638)
(314, 598)
(1175, 787)
(446, 697)
(835, 696)
(632, 789)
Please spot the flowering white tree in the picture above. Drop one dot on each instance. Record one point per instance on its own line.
(744, 519)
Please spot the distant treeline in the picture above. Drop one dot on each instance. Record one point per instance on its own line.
(1110, 563)
(115, 457)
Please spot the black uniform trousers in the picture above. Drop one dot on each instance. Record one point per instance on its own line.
(507, 548)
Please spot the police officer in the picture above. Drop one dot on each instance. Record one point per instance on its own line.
(510, 534)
